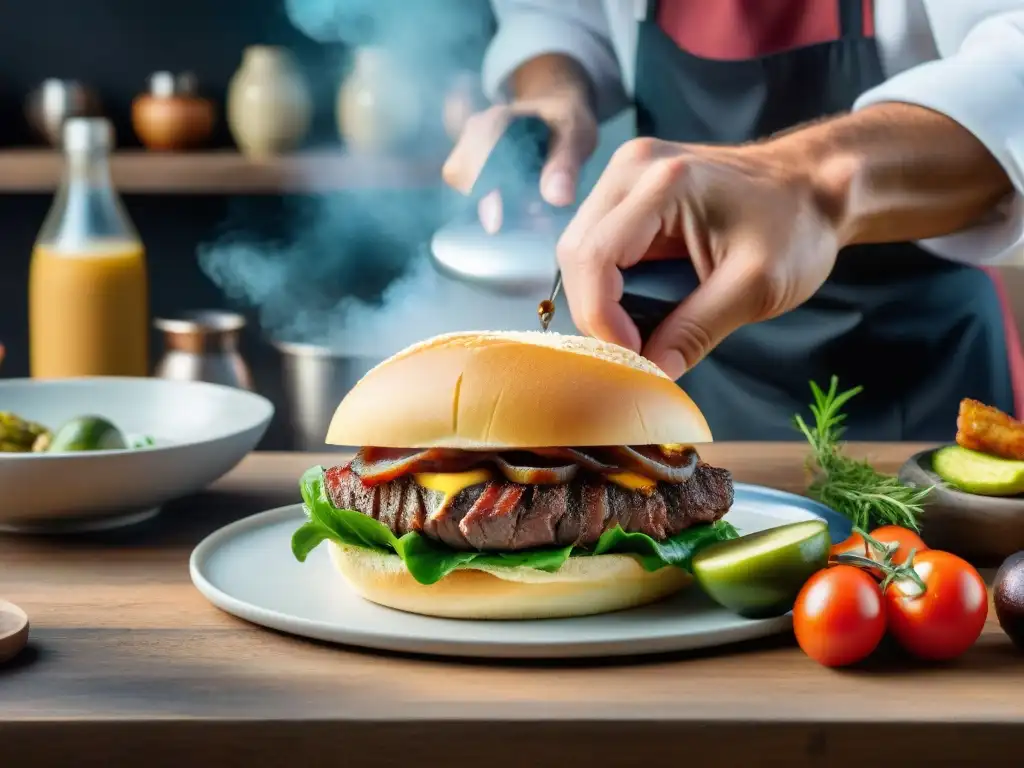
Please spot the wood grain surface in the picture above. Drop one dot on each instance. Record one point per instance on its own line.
(128, 664)
(222, 172)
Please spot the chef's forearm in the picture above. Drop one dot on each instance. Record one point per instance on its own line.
(553, 74)
(896, 172)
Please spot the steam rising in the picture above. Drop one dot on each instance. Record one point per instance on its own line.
(417, 304)
(422, 303)
(352, 271)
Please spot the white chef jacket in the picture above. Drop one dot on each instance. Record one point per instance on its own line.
(962, 58)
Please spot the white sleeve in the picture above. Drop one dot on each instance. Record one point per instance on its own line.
(575, 28)
(316, 20)
(978, 82)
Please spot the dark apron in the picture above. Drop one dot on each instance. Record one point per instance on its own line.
(917, 332)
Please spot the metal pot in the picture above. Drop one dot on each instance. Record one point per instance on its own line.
(54, 102)
(315, 380)
(203, 346)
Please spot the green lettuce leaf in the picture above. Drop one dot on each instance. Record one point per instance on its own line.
(430, 561)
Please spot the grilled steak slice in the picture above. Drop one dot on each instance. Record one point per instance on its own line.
(502, 516)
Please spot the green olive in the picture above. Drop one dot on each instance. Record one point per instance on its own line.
(87, 433)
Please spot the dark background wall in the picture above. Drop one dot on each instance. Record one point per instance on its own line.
(113, 45)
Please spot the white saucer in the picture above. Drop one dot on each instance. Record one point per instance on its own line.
(247, 569)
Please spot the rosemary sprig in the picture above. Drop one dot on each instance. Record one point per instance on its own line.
(850, 486)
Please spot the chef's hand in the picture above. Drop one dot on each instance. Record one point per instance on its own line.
(749, 220)
(763, 222)
(554, 89)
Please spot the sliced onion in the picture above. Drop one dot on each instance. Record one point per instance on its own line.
(372, 455)
(527, 475)
(584, 459)
(539, 466)
(674, 452)
(679, 471)
(381, 465)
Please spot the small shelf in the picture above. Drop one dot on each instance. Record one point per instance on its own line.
(218, 172)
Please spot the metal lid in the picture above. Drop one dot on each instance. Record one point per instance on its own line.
(167, 84)
(87, 134)
(202, 321)
(520, 259)
(310, 349)
(516, 262)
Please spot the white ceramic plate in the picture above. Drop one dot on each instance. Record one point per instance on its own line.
(201, 431)
(247, 569)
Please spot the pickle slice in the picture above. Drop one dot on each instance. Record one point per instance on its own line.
(979, 473)
(760, 575)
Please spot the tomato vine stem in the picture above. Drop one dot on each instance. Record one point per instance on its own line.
(891, 571)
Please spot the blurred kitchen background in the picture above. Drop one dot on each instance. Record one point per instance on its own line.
(312, 221)
(317, 235)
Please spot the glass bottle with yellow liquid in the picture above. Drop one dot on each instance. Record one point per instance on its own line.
(88, 286)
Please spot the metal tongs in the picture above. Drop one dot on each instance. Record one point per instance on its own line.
(546, 309)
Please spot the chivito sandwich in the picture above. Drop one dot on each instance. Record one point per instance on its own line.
(513, 476)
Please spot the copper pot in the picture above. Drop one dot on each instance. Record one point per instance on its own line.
(172, 116)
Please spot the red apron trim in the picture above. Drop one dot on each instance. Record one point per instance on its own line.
(869, 18)
(1014, 351)
(737, 30)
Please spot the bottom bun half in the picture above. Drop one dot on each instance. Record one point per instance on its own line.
(583, 586)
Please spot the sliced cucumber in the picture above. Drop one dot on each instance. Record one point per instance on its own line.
(87, 433)
(979, 473)
(759, 575)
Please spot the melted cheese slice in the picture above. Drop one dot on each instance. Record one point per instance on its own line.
(674, 449)
(449, 484)
(631, 481)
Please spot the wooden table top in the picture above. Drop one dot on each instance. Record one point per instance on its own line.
(126, 655)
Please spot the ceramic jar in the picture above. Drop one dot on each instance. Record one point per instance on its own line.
(172, 116)
(378, 106)
(269, 103)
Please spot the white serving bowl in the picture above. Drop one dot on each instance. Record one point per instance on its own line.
(201, 431)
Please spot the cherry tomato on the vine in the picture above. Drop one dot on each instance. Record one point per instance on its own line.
(887, 534)
(838, 617)
(947, 619)
(908, 541)
(854, 545)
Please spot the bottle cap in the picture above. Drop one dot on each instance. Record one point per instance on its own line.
(166, 84)
(85, 134)
(161, 84)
